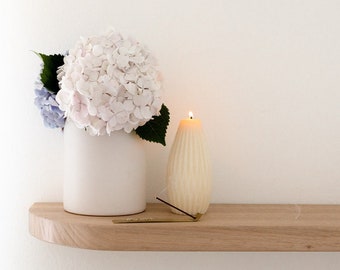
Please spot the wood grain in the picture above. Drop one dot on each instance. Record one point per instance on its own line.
(223, 228)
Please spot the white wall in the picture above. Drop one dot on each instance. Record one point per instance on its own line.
(263, 76)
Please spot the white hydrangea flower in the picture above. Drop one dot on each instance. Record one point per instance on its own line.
(109, 83)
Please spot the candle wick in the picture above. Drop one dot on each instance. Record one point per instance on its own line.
(190, 117)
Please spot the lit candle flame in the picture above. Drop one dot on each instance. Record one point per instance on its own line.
(191, 115)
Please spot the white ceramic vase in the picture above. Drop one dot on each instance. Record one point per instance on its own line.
(103, 175)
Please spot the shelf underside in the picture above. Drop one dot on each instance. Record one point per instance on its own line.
(225, 227)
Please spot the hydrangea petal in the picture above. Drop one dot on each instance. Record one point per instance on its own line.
(109, 79)
(52, 115)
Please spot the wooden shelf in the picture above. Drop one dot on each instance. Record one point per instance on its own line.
(223, 228)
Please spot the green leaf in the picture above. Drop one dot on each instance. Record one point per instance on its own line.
(48, 75)
(155, 129)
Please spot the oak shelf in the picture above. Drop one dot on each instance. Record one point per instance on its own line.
(225, 227)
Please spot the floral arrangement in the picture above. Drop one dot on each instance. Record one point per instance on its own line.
(104, 84)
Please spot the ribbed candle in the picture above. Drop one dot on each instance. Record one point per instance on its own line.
(189, 169)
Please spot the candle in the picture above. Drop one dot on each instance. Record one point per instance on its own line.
(189, 169)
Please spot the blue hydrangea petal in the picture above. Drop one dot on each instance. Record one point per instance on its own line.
(52, 116)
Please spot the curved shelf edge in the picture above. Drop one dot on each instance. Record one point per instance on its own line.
(225, 227)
